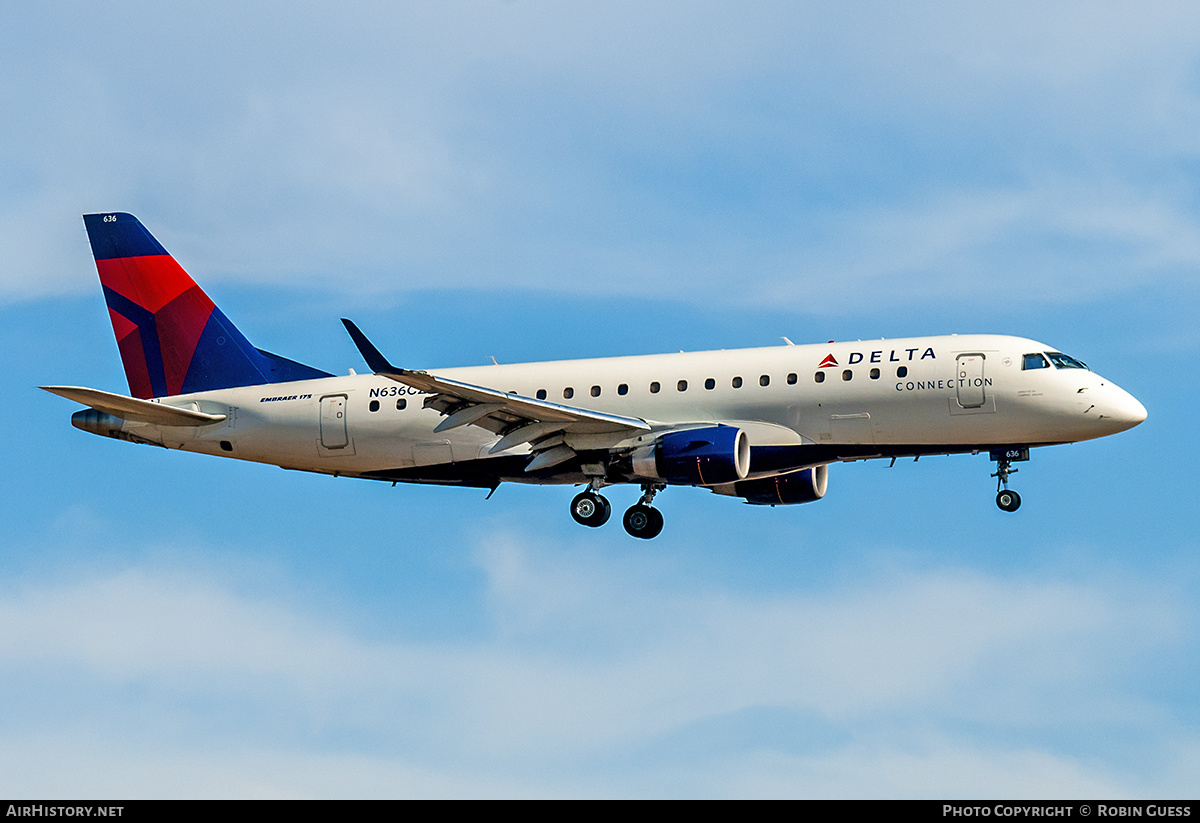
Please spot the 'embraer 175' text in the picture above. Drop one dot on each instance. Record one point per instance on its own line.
(277, 398)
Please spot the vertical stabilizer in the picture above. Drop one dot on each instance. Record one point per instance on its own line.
(173, 339)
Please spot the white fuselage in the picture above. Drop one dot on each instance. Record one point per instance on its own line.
(881, 398)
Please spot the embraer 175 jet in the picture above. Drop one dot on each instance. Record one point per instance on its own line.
(760, 424)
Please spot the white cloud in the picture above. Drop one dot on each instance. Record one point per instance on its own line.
(934, 769)
(583, 667)
(671, 149)
(1055, 240)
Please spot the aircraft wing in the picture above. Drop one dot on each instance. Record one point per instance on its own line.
(133, 409)
(518, 419)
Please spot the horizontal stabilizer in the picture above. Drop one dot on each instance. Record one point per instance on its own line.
(133, 409)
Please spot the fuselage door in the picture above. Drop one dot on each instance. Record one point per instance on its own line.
(333, 421)
(969, 369)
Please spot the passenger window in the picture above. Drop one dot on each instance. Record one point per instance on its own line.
(765, 380)
(623, 389)
(819, 377)
(737, 382)
(401, 404)
(373, 405)
(568, 393)
(874, 374)
(681, 385)
(848, 375)
(791, 378)
(595, 391)
(1034, 361)
(902, 371)
(541, 394)
(654, 387)
(710, 384)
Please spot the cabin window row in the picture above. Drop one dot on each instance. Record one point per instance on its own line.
(848, 374)
(401, 405)
(710, 383)
(655, 387)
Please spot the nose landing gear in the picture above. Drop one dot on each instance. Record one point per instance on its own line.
(1007, 499)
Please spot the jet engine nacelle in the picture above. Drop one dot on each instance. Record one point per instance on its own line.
(787, 489)
(696, 457)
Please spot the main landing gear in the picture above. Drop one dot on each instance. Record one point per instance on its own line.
(590, 508)
(641, 519)
(1007, 499)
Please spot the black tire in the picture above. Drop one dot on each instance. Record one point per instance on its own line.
(644, 522)
(657, 526)
(590, 509)
(604, 504)
(1008, 500)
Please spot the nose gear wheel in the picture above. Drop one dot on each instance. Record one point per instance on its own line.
(1007, 499)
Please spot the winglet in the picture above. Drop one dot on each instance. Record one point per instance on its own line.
(378, 363)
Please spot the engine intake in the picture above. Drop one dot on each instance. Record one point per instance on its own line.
(696, 457)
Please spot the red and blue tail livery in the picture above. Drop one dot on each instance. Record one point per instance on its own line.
(173, 339)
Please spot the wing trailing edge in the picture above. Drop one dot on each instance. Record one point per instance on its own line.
(519, 420)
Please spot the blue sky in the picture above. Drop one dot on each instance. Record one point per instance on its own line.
(532, 180)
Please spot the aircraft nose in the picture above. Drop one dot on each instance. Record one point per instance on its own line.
(1125, 409)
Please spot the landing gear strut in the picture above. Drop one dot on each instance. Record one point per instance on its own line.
(1007, 499)
(643, 520)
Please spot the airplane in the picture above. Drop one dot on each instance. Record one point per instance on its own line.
(760, 424)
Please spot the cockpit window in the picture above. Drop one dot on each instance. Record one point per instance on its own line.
(1064, 361)
(1034, 361)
